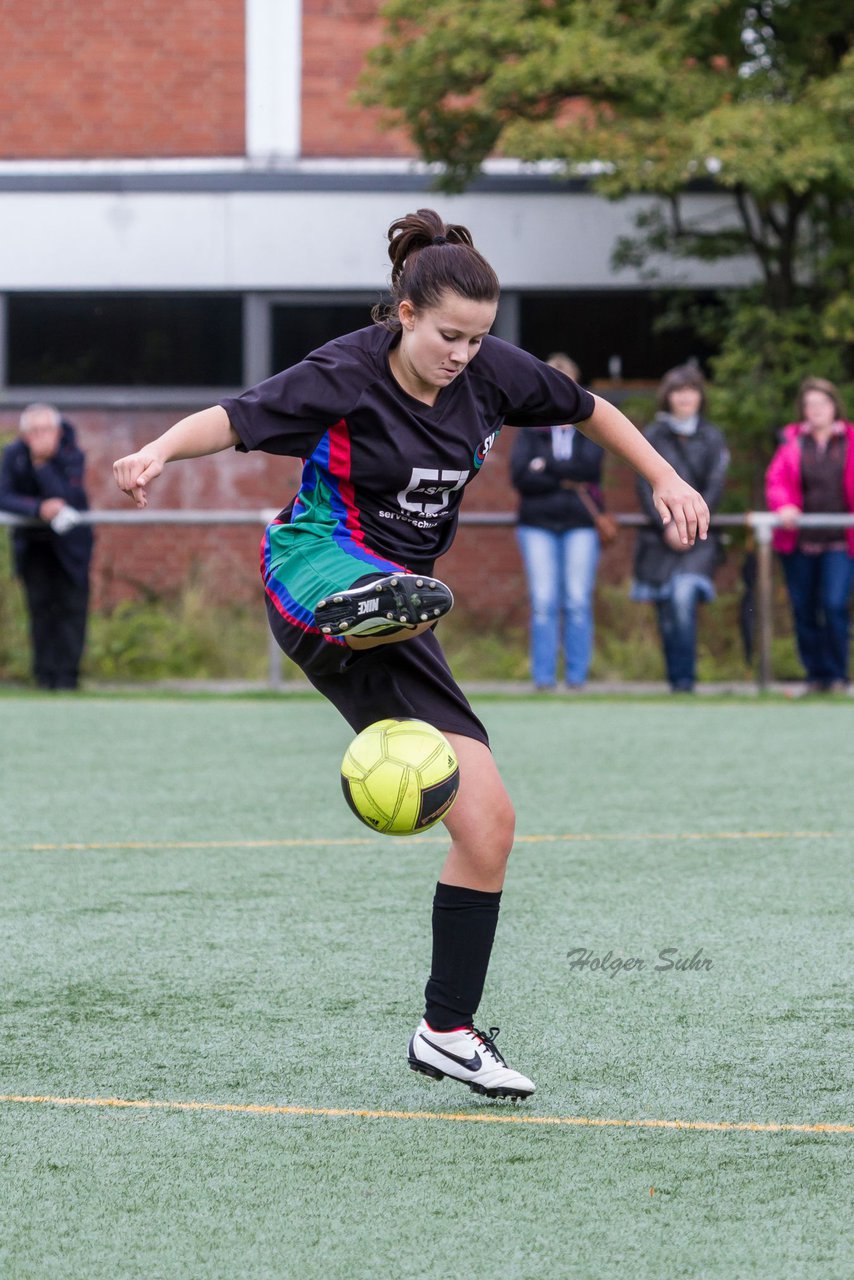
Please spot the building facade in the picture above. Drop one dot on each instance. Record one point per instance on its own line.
(191, 198)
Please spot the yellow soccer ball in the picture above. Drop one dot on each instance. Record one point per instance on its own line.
(400, 776)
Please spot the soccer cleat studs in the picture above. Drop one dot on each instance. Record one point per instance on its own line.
(383, 606)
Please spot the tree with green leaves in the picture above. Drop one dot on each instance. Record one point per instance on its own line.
(661, 97)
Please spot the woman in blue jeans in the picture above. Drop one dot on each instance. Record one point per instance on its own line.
(674, 577)
(558, 541)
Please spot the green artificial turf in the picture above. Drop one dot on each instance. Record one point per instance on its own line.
(279, 960)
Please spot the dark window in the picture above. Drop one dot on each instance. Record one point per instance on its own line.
(128, 339)
(592, 327)
(299, 329)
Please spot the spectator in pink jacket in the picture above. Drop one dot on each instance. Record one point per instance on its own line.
(813, 472)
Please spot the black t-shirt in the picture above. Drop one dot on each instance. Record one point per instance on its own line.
(382, 469)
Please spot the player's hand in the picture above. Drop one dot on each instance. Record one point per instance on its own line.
(135, 472)
(681, 508)
(673, 540)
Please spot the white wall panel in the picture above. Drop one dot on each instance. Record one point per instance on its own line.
(312, 239)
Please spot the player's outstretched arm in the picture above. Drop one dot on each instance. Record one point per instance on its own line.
(208, 431)
(674, 499)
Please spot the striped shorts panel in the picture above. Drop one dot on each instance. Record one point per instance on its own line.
(300, 568)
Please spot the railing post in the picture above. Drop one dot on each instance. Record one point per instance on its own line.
(274, 663)
(763, 525)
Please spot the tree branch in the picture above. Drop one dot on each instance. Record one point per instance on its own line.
(754, 237)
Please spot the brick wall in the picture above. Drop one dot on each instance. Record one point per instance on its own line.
(143, 560)
(106, 78)
(336, 36)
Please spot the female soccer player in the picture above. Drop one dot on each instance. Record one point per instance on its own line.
(392, 423)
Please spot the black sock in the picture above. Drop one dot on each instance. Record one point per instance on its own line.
(464, 922)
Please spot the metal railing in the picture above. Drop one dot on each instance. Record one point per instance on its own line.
(762, 523)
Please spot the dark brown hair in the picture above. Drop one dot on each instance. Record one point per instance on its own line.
(684, 375)
(828, 388)
(428, 258)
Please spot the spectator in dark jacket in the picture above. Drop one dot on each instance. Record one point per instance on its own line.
(41, 478)
(677, 578)
(558, 541)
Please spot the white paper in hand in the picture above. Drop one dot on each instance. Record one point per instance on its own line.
(66, 518)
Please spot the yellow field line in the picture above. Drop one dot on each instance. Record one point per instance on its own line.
(573, 837)
(716, 1126)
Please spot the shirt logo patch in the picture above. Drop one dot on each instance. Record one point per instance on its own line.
(484, 447)
(428, 491)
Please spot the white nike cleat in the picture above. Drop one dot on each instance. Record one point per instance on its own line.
(468, 1055)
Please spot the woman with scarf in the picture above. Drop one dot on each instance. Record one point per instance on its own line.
(676, 578)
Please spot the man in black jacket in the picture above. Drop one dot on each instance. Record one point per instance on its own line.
(41, 478)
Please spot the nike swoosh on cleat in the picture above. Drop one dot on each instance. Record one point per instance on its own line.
(470, 1064)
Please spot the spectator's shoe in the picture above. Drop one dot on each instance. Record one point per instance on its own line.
(468, 1055)
(397, 602)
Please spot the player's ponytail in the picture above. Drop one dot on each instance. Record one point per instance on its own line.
(430, 257)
